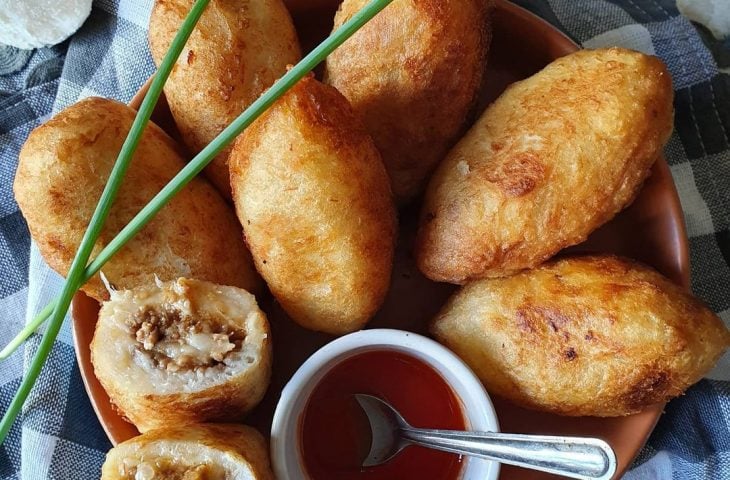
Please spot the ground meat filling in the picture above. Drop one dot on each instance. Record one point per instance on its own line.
(175, 342)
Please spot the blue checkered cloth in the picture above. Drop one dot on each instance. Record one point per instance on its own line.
(59, 436)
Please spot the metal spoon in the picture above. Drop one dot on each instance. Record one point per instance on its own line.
(574, 457)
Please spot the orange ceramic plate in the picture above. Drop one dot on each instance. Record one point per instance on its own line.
(651, 230)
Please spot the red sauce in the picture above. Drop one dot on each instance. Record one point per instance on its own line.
(335, 434)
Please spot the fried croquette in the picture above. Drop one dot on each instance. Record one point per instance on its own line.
(62, 170)
(552, 159)
(596, 336)
(192, 452)
(238, 49)
(182, 352)
(313, 197)
(413, 74)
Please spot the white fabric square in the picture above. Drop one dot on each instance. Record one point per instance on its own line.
(696, 214)
(36, 454)
(636, 37)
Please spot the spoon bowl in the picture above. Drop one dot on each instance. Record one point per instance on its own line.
(574, 457)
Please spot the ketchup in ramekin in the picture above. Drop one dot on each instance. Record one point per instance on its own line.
(335, 434)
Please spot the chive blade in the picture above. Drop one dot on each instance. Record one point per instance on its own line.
(28, 330)
(302, 68)
(76, 275)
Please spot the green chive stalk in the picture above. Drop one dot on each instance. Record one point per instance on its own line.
(76, 274)
(60, 305)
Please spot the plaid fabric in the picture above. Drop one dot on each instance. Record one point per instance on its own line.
(59, 436)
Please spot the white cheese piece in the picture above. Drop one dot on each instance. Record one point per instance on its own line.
(31, 24)
(713, 14)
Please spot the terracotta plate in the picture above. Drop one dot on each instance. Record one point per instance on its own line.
(651, 230)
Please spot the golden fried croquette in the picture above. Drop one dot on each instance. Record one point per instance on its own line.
(312, 195)
(62, 170)
(552, 159)
(204, 451)
(413, 74)
(598, 336)
(182, 352)
(238, 49)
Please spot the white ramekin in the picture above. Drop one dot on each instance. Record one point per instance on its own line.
(478, 409)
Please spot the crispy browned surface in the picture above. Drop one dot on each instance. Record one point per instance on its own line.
(599, 336)
(62, 170)
(139, 388)
(555, 157)
(237, 51)
(412, 74)
(236, 444)
(313, 197)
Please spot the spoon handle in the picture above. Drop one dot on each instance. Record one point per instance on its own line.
(582, 458)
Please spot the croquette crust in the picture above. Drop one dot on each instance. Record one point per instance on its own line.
(413, 74)
(238, 49)
(236, 391)
(595, 336)
(313, 197)
(552, 159)
(62, 170)
(237, 444)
